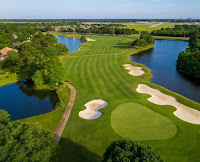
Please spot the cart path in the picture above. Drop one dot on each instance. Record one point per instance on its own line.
(66, 115)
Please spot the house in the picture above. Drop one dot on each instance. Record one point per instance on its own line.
(5, 52)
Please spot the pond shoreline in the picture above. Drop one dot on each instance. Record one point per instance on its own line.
(161, 60)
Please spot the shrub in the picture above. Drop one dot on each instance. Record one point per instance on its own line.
(83, 39)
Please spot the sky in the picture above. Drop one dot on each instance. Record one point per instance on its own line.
(100, 9)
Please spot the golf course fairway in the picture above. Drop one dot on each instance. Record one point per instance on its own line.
(97, 72)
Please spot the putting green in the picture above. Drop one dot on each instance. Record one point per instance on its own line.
(137, 122)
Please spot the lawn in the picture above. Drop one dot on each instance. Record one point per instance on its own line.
(7, 76)
(97, 72)
(139, 123)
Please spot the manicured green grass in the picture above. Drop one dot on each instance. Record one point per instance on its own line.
(98, 74)
(104, 77)
(139, 123)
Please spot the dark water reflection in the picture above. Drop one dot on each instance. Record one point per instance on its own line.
(71, 43)
(162, 62)
(22, 101)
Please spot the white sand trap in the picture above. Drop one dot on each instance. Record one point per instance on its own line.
(183, 112)
(92, 107)
(90, 40)
(135, 71)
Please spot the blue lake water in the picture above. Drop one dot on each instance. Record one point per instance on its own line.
(162, 62)
(71, 43)
(20, 100)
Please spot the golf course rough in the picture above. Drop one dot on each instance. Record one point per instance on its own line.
(136, 122)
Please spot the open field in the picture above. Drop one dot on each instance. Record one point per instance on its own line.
(97, 72)
(146, 26)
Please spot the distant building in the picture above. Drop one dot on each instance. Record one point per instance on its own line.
(5, 52)
(28, 18)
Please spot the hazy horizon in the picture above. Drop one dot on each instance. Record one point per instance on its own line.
(105, 9)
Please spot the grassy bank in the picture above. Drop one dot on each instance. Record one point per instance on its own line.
(8, 76)
(171, 38)
(48, 121)
(51, 120)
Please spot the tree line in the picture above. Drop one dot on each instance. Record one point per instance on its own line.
(189, 61)
(177, 31)
(102, 29)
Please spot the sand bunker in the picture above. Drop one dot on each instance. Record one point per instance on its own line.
(90, 40)
(92, 107)
(183, 112)
(135, 71)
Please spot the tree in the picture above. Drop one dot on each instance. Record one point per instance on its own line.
(13, 58)
(62, 49)
(129, 151)
(139, 43)
(70, 30)
(38, 78)
(145, 35)
(21, 142)
(83, 39)
(55, 71)
(39, 35)
(188, 62)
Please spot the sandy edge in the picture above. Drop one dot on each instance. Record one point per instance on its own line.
(183, 112)
(92, 109)
(135, 71)
(90, 40)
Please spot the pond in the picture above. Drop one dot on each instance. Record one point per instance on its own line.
(20, 100)
(162, 62)
(71, 43)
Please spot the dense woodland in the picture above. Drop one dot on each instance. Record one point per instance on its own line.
(189, 61)
(39, 59)
(178, 31)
